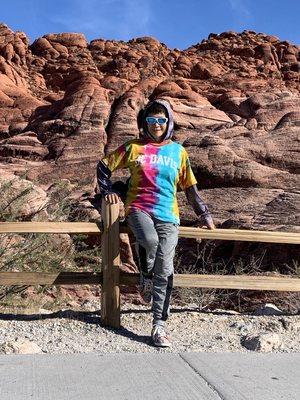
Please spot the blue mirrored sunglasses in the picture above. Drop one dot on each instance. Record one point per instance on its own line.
(153, 120)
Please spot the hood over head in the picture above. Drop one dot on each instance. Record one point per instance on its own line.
(170, 124)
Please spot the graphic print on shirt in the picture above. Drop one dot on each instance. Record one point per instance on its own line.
(156, 159)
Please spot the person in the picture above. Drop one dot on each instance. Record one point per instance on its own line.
(157, 164)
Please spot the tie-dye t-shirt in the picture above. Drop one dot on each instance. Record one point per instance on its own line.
(156, 169)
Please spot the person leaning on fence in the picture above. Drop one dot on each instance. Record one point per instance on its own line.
(156, 164)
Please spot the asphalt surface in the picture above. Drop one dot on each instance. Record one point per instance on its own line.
(207, 376)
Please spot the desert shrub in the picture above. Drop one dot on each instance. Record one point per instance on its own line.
(201, 259)
(34, 252)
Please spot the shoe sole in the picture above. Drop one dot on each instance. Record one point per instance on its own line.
(162, 345)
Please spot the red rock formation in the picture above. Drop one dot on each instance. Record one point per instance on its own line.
(64, 102)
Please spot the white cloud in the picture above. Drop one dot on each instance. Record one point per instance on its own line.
(241, 8)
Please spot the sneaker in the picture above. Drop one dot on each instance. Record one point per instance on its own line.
(159, 336)
(146, 288)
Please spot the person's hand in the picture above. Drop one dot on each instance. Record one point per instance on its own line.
(211, 225)
(208, 225)
(112, 198)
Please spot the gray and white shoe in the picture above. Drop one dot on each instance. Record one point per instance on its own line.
(159, 336)
(146, 288)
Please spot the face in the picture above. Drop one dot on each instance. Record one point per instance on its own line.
(157, 130)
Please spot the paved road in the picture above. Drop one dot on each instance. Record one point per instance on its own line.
(207, 376)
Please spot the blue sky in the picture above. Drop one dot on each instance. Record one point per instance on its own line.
(177, 23)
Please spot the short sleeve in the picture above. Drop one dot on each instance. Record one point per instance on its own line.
(186, 175)
(117, 159)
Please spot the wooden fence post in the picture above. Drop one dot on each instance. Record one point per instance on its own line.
(110, 250)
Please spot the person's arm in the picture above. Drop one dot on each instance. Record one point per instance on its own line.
(188, 183)
(105, 167)
(104, 183)
(199, 206)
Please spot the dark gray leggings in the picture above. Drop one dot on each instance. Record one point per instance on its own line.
(156, 242)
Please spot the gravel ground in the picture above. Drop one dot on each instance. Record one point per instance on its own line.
(68, 331)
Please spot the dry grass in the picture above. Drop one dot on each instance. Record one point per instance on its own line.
(41, 252)
(203, 261)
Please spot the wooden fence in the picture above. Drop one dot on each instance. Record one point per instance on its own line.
(111, 278)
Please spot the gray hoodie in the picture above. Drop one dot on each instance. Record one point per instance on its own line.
(170, 124)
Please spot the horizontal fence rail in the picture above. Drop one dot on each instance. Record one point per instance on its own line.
(186, 232)
(111, 277)
(246, 282)
(50, 227)
(50, 278)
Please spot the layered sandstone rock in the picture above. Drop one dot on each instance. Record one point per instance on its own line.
(65, 102)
